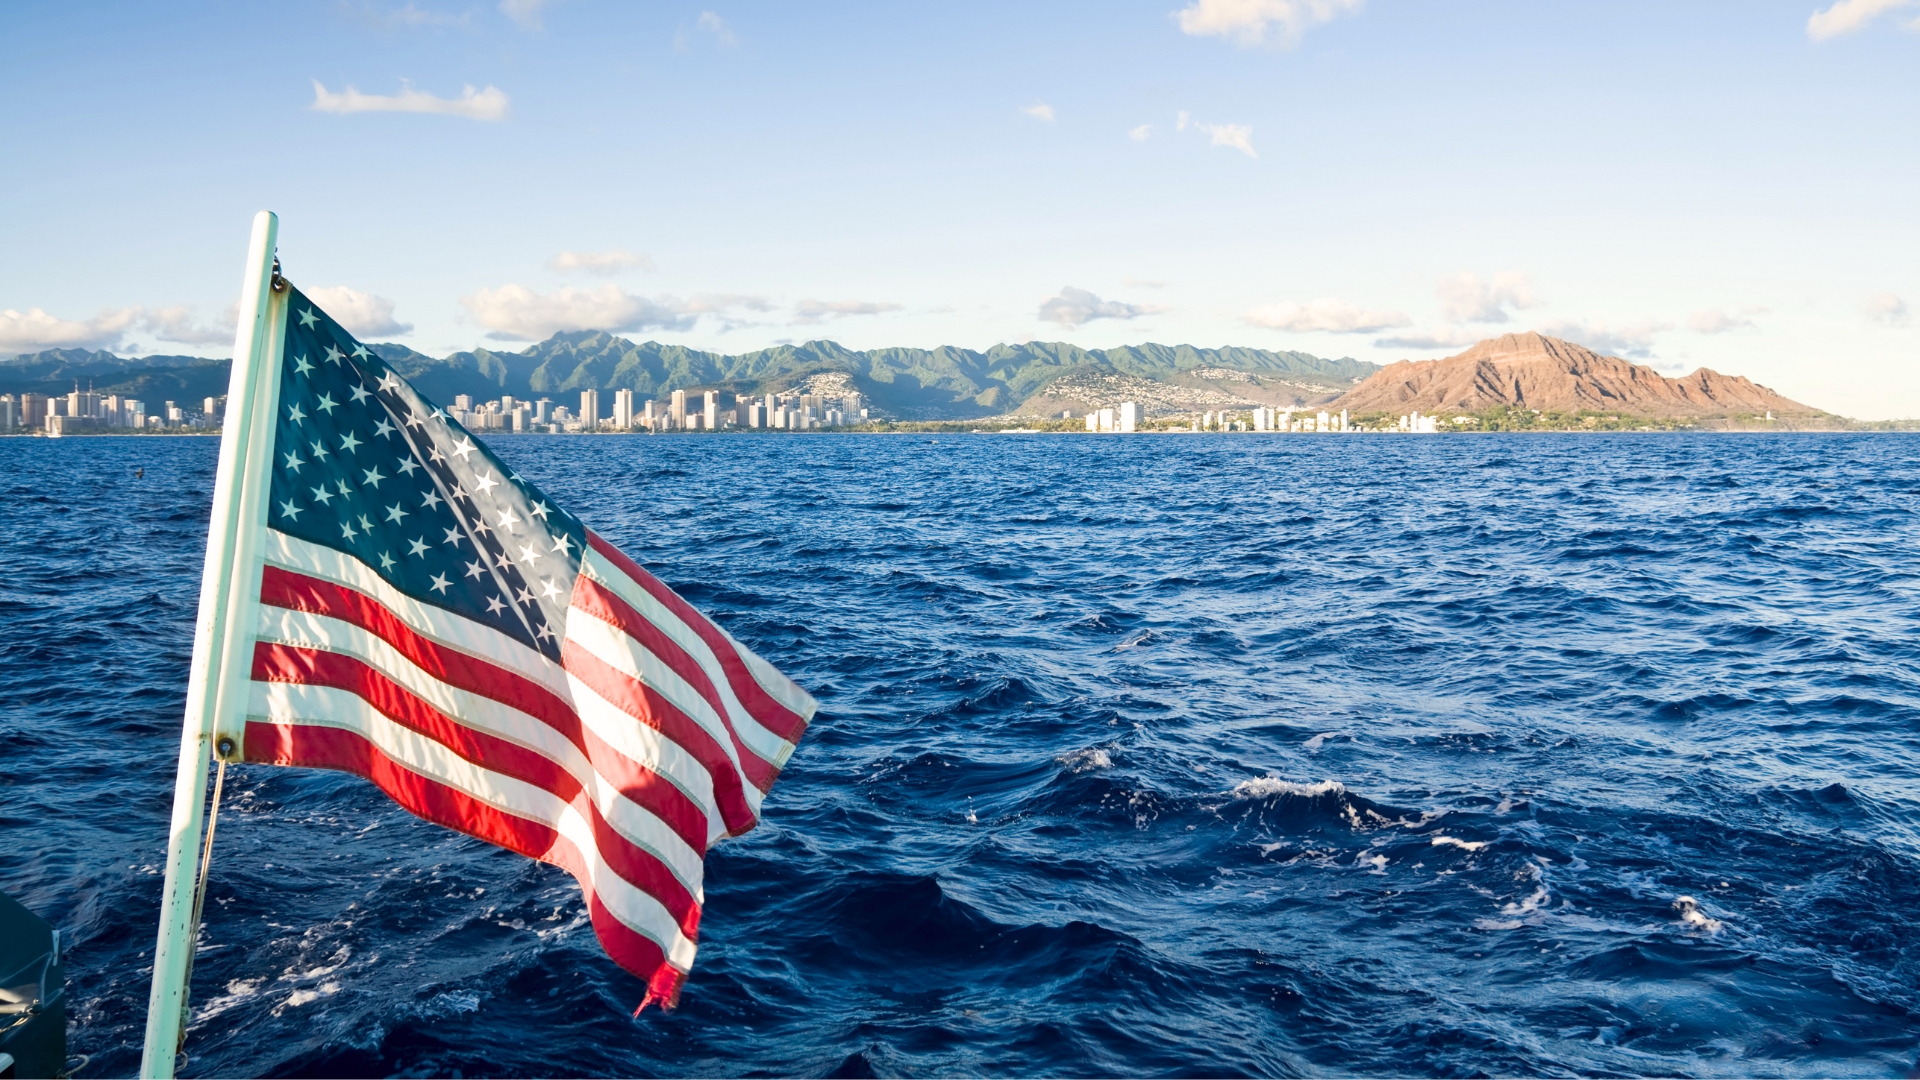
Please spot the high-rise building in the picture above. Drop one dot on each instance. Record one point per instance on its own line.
(711, 408)
(589, 410)
(210, 411)
(622, 409)
(543, 411)
(463, 402)
(677, 410)
(1129, 416)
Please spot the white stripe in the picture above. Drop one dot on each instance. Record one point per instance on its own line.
(636, 740)
(767, 745)
(302, 629)
(324, 706)
(622, 653)
(453, 631)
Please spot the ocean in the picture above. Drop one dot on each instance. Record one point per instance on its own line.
(1174, 755)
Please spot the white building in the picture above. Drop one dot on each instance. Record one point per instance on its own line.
(711, 409)
(622, 408)
(1129, 416)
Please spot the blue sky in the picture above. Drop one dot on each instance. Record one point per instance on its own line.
(1722, 184)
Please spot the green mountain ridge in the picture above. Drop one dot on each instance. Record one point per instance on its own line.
(941, 383)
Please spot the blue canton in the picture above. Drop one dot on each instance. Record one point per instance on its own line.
(364, 465)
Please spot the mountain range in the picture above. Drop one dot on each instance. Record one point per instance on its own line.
(942, 383)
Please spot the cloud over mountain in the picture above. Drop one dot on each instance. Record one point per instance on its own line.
(362, 314)
(1077, 307)
(812, 312)
(1466, 297)
(517, 313)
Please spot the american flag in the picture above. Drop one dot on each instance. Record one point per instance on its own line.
(431, 621)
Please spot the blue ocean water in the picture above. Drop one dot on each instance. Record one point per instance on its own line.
(1199, 755)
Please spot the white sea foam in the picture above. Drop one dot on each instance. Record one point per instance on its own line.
(1470, 845)
(1313, 745)
(1691, 915)
(1262, 787)
(1079, 761)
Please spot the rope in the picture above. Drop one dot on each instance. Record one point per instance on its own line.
(200, 899)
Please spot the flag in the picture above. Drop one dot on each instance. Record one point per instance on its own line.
(430, 620)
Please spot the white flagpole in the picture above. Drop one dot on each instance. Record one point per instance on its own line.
(239, 504)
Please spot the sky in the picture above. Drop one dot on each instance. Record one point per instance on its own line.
(1732, 185)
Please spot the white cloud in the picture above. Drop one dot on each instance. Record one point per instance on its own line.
(33, 330)
(1886, 308)
(811, 312)
(1849, 16)
(1278, 23)
(1238, 136)
(1141, 133)
(1076, 307)
(604, 263)
(1183, 120)
(1325, 315)
(1633, 340)
(517, 313)
(489, 104)
(1466, 297)
(177, 323)
(525, 12)
(361, 314)
(1718, 321)
(1039, 110)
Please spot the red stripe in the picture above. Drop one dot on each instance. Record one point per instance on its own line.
(297, 592)
(347, 751)
(643, 703)
(641, 868)
(771, 714)
(592, 598)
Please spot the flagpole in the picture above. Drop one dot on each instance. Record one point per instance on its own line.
(219, 633)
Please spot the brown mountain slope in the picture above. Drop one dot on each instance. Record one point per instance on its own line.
(1534, 371)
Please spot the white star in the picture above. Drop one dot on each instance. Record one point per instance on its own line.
(319, 451)
(419, 545)
(386, 561)
(480, 526)
(501, 561)
(381, 427)
(561, 544)
(334, 355)
(475, 569)
(394, 513)
(346, 530)
(306, 318)
(294, 462)
(486, 483)
(294, 414)
(389, 383)
(438, 413)
(359, 393)
(522, 596)
(414, 419)
(345, 491)
(494, 606)
(461, 493)
(551, 591)
(321, 495)
(434, 454)
(440, 583)
(327, 404)
(288, 510)
(359, 351)
(540, 510)
(514, 476)
(365, 525)
(301, 366)
(430, 500)
(507, 520)
(464, 447)
(349, 443)
(373, 477)
(542, 632)
(453, 537)
(527, 553)
(407, 467)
